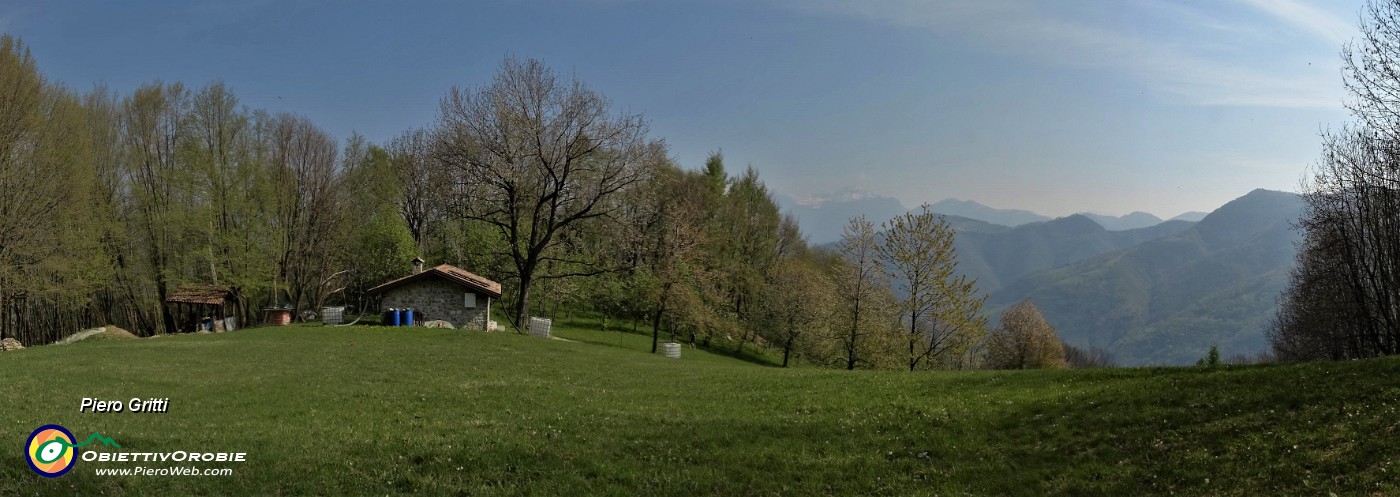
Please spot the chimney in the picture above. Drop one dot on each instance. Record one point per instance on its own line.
(417, 265)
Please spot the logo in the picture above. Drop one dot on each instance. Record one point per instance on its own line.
(51, 451)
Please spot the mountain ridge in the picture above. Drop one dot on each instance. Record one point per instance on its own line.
(823, 217)
(1133, 220)
(1167, 300)
(1156, 295)
(974, 210)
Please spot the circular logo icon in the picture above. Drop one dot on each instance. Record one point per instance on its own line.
(50, 451)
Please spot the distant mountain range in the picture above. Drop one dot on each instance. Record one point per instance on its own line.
(974, 210)
(1149, 291)
(1167, 300)
(823, 217)
(1126, 222)
(997, 258)
(1192, 216)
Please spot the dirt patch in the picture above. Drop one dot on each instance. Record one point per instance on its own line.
(104, 332)
(115, 332)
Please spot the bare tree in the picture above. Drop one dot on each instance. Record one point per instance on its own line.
(423, 183)
(303, 162)
(1343, 300)
(1318, 316)
(1371, 69)
(539, 156)
(1340, 303)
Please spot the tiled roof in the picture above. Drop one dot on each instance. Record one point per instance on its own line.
(200, 294)
(449, 273)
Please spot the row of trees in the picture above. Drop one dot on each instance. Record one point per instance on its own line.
(1342, 302)
(109, 203)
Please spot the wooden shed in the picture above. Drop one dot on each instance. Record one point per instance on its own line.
(204, 307)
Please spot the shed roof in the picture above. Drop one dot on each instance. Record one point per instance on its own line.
(200, 294)
(449, 273)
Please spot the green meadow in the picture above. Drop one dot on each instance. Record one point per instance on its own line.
(372, 410)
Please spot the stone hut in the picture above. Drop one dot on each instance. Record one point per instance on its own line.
(445, 292)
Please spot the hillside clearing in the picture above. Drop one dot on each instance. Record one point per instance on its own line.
(370, 410)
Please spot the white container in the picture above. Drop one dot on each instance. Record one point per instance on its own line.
(671, 349)
(539, 327)
(332, 315)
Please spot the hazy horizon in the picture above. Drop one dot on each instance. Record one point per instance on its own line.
(818, 199)
(1108, 107)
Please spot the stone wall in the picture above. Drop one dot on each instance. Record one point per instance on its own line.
(436, 299)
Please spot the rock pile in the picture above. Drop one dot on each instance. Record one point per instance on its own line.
(10, 344)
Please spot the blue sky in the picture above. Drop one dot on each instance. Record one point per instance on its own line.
(1054, 106)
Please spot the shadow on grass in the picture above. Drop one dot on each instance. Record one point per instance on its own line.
(746, 355)
(588, 331)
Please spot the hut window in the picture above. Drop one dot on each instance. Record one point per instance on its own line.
(471, 300)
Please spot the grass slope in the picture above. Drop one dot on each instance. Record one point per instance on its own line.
(369, 410)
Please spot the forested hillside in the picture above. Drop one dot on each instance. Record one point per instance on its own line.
(998, 258)
(1168, 300)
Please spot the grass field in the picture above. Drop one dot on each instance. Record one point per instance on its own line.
(370, 410)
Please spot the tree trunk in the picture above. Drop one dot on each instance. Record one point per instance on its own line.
(4, 314)
(656, 328)
(855, 335)
(656, 318)
(522, 304)
(913, 332)
(166, 316)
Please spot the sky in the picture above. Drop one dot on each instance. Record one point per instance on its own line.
(1108, 106)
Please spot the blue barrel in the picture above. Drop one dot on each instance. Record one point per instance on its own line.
(408, 317)
(394, 315)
